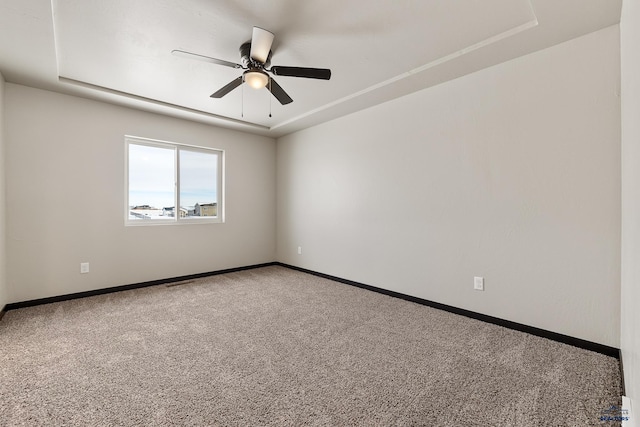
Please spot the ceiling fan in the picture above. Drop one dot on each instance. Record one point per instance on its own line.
(256, 58)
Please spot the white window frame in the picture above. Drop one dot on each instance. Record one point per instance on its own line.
(177, 147)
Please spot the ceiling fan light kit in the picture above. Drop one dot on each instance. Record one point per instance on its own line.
(256, 58)
(256, 79)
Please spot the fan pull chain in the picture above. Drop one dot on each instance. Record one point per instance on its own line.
(242, 103)
(270, 97)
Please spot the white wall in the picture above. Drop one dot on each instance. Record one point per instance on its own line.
(65, 198)
(3, 270)
(511, 173)
(630, 298)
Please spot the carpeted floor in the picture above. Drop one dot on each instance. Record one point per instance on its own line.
(273, 346)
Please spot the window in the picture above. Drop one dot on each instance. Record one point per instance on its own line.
(170, 183)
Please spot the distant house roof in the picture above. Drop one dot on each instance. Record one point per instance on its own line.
(207, 204)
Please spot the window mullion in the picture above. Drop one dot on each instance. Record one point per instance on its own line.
(177, 184)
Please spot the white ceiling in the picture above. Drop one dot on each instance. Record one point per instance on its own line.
(120, 50)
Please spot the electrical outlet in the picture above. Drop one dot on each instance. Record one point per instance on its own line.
(478, 283)
(84, 267)
(299, 250)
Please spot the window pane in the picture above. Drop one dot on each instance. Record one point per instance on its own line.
(198, 184)
(151, 182)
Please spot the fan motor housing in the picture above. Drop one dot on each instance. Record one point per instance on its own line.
(245, 55)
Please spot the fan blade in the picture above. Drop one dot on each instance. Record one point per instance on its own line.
(310, 73)
(227, 88)
(190, 55)
(261, 42)
(278, 92)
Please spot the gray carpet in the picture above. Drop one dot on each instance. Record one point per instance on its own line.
(273, 346)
